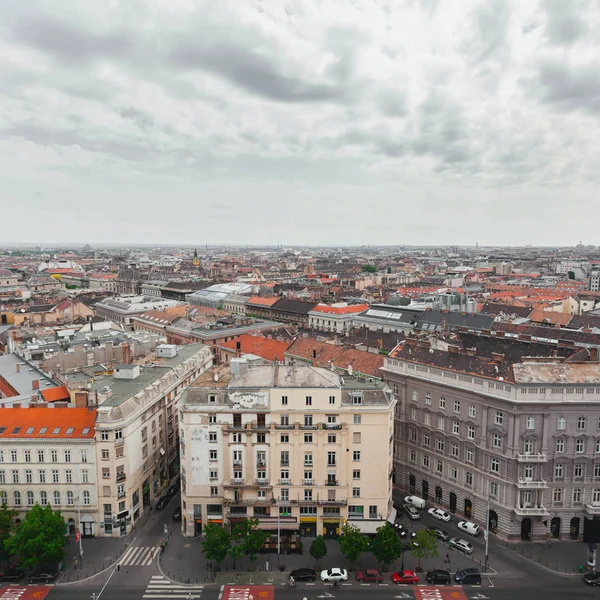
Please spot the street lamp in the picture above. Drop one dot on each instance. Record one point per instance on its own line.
(78, 527)
(487, 537)
(278, 531)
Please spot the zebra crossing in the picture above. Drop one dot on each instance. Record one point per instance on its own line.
(139, 556)
(161, 588)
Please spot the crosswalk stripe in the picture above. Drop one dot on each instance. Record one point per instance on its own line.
(125, 556)
(184, 596)
(161, 588)
(140, 556)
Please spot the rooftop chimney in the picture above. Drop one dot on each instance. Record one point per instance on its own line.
(453, 349)
(18, 367)
(126, 353)
(497, 357)
(593, 354)
(238, 348)
(35, 384)
(471, 351)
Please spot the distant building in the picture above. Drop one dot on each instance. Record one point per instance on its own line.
(122, 309)
(334, 317)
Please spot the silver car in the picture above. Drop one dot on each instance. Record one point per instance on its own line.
(411, 511)
(461, 545)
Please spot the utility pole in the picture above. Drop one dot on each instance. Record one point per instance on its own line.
(487, 537)
(278, 531)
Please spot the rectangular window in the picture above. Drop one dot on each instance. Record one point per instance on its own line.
(331, 399)
(497, 440)
(453, 473)
(356, 455)
(469, 454)
(577, 495)
(104, 453)
(439, 467)
(54, 476)
(212, 419)
(212, 436)
(530, 423)
(579, 446)
(425, 461)
(427, 418)
(331, 438)
(581, 423)
(356, 437)
(596, 496)
(69, 476)
(415, 395)
(499, 418)
(561, 424)
(442, 402)
(284, 438)
(212, 455)
(440, 444)
(308, 438)
(356, 474)
(357, 399)
(495, 465)
(284, 459)
(27, 455)
(284, 400)
(441, 423)
(308, 496)
(468, 478)
(104, 436)
(471, 432)
(308, 459)
(67, 456)
(578, 470)
(454, 449)
(40, 454)
(14, 456)
(308, 420)
(412, 457)
(357, 419)
(308, 400)
(355, 492)
(427, 398)
(455, 427)
(331, 419)
(456, 406)
(42, 476)
(559, 470)
(412, 435)
(528, 446)
(472, 411)
(426, 439)
(331, 459)
(414, 415)
(557, 495)
(560, 446)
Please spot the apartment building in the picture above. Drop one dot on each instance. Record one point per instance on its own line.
(136, 431)
(287, 444)
(334, 317)
(47, 456)
(519, 430)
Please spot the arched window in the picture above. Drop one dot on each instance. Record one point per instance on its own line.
(86, 497)
(56, 498)
(70, 497)
(17, 498)
(43, 498)
(3, 498)
(30, 498)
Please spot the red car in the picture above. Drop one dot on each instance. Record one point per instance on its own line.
(405, 577)
(369, 575)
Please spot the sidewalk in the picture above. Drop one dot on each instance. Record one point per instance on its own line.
(184, 562)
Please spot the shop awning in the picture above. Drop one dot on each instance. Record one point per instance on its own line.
(367, 527)
(392, 516)
(271, 525)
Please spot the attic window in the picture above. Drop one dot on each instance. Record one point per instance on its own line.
(43, 430)
(86, 431)
(16, 430)
(56, 431)
(357, 399)
(212, 398)
(30, 430)
(70, 431)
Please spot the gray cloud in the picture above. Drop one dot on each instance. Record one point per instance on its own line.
(565, 24)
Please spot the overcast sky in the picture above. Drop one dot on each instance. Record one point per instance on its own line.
(300, 122)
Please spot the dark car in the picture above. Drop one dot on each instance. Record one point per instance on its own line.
(470, 575)
(177, 514)
(440, 534)
(11, 576)
(304, 575)
(592, 578)
(372, 575)
(172, 490)
(439, 577)
(42, 577)
(162, 502)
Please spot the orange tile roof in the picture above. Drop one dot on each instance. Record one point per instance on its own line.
(259, 345)
(539, 316)
(366, 363)
(258, 301)
(340, 310)
(47, 423)
(56, 393)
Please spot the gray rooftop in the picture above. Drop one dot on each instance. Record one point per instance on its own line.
(294, 376)
(21, 380)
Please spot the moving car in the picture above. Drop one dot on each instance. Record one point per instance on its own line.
(469, 527)
(439, 577)
(461, 545)
(177, 514)
(372, 575)
(304, 575)
(11, 576)
(440, 534)
(470, 575)
(162, 502)
(440, 514)
(405, 577)
(592, 578)
(42, 577)
(334, 574)
(415, 501)
(411, 511)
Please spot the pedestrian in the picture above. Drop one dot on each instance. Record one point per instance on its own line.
(447, 561)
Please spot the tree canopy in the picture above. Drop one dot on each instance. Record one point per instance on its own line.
(216, 543)
(250, 537)
(369, 268)
(424, 545)
(387, 546)
(7, 526)
(318, 548)
(352, 542)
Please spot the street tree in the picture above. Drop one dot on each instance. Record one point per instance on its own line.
(352, 543)
(248, 535)
(318, 548)
(40, 537)
(387, 545)
(7, 526)
(424, 545)
(216, 543)
(237, 551)
(369, 268)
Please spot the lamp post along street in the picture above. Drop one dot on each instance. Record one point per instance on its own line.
(487, 536)
(278, 530)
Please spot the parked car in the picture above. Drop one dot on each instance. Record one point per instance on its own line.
(440, 514)
(469, 527)
(592, 578)
(372, 575)
(177, 514)
(415, 501)
(440, 534)
(11, 576)
(45, 576)
(304, 575)
(411, 511)
(470, 575)
(334, 574)
(405, 577)
(162, 502)
(438, 577)
(461, 545)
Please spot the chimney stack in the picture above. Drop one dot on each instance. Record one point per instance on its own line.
(238, 348)
(18, 367)
(35, 384)
(470, 351)
(126, 353)
(497, 357)
(594, 354)
(453, 349)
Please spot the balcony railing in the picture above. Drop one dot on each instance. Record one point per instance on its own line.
(308, 463)
(332, 426)
(331, 482)
(308, 481)
(592, 508)
(261, 463)
(339, 502)
(262, 481)
(285, 463)
(121, 495)
(237, 481)
(284, 482)
(531, 511)
(119, 441)
(121, 477)
(530, 484)
(237, 461)
(538, 458)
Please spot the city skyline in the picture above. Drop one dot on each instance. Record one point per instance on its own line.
(298, 124)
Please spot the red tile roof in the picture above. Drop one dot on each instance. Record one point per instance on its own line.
(340, 310)
(266, 348)
(540, 316)
(47, 423)
(258, 301)
(366, 363)
(56, 393)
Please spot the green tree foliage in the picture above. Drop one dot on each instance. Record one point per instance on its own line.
(424, 545)
(352, 543)
(216, 543)
(318, 548)
(369, 268)
(7, 526)
(571, 274)
(236, 552)
(250, 537)
(387, 546)
(40, 538)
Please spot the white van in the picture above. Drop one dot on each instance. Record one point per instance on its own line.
(415, 501)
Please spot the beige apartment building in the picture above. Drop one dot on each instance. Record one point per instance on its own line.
(136, 436)
(291, 445)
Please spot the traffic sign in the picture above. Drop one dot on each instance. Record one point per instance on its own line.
(77, 536)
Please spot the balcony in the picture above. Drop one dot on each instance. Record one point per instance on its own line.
(531, 511)
(237, 462)
(237, 481)
(284, 426)
(332, 426)
(308, 481)
(261, 463)
(261, 481)
(121, 495)
(308, 463)
(121, 477)
(284, 482)
(332, 502)
(592, 509)
(284, 463)
(119, 442)
(532, 458)
(307, 502)
(531, 484)
(331, 482)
